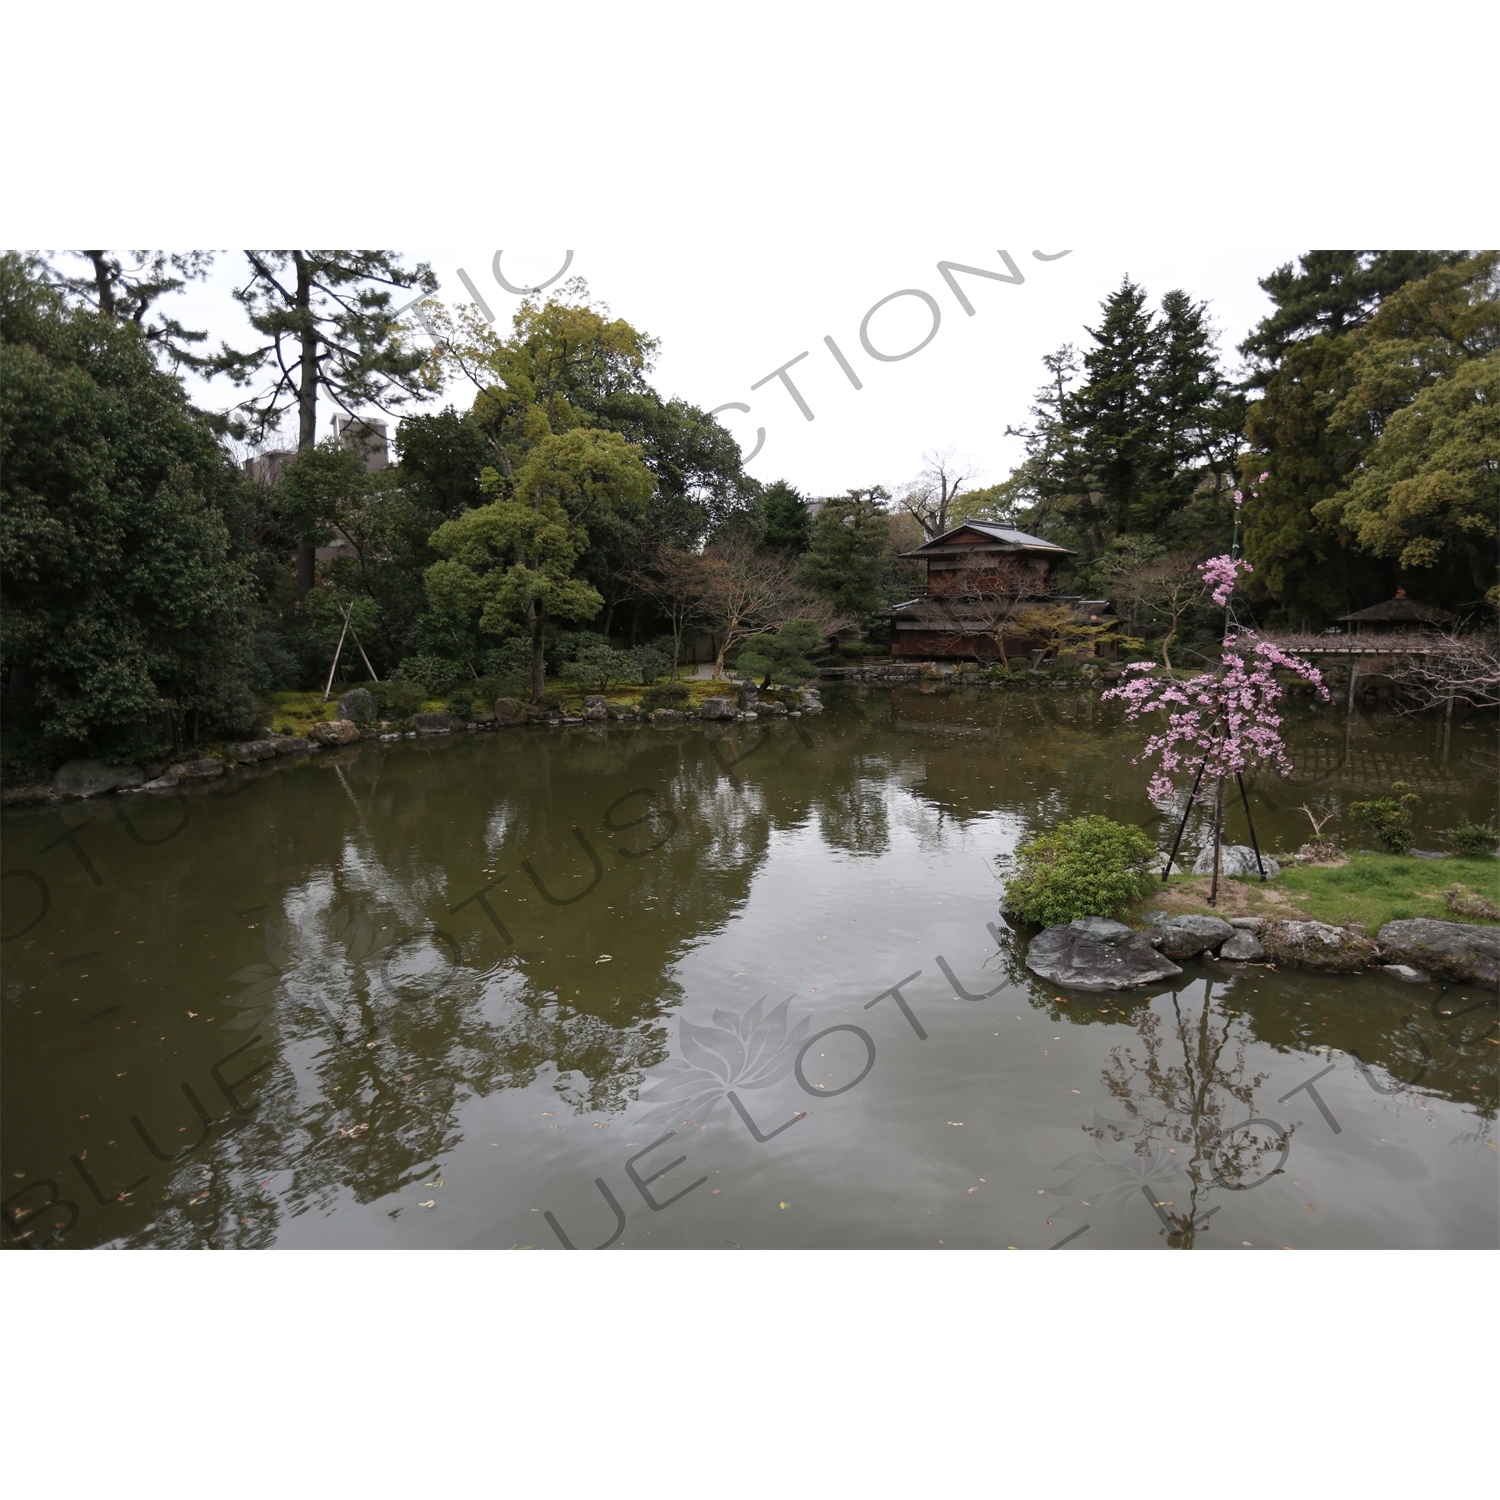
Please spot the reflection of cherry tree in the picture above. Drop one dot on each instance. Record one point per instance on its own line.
(1188, 1096)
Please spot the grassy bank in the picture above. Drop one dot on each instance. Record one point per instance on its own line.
(300, 710)
(1371, 889)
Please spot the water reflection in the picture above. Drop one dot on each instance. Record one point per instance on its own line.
(304, 994)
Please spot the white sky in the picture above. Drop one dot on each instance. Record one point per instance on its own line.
(727, 318)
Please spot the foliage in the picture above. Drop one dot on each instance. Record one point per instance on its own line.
(1377, 888)
(127, 598)
(461, 703)
(1088, 867)
(1388, 818)
(397, 698)
(594, 663)
(1139, 436)
(846, 555)
(434, 673)
(1474, 840)
(785, 523)
(664, 695)
(781, 654)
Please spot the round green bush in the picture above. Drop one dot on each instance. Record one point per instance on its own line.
(1089, 867)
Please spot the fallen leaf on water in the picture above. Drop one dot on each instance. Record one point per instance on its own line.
(430, 1203)
(955, 1122)
(1075, 1091)
(1311, 1205)
(973, 1189)
(783, 1205)
(605, 958)
(718, 1190)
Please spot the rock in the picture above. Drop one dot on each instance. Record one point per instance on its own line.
(1428, 854)
(749, 696)
(1153, 917)
(1317, 945)
(1248, 924)
(509, 712)
(716, 708)
(1186, 937)
(359, 707)
(289, 745)
(1243, 946)
(390, 737)
(1406, 973)
(1236, 861)
(1093, 953)
(770, 706)
(154, 768)
(662, 717)
(14, 796)
(197, 770)
(437, 722)
(595, 706)
(91, 778)
(163, 783)
(335, 732)
(253, 750)
(1452, 950)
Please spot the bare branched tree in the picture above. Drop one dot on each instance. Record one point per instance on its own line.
(749, 593)
(1456, 668)
(1167, 588)
(930, 499)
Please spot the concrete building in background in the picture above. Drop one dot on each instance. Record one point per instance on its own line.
(365, 433)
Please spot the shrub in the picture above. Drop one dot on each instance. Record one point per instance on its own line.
(782, 654)
(1388, 818)
(646, 663)
(1473, 840)
(437, 673)
(664, 695)
(461, 704)
(594, 664)
(1089, 867)
(396, 700)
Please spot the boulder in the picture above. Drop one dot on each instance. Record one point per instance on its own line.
(663, 717)
(197, 770)
(14, 796)
(437, 722)
(716, 708)
(359, 707)
(334, 732)
(91, 778)
(1453, 950)
(595, 706)
(811, 703)
(771, 706)
(1236, 861)
(288, 745)
(163, 783)
(1243, 946)
(1186, 937)
(509, 712)
(749, 696)
(1248, 924)
(252, 750)
(1093, 953)
(1317, 945)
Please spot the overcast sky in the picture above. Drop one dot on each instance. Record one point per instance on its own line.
(727, 319)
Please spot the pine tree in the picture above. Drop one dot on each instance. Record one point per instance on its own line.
(325, 316)
(846, 555)
(786, 524)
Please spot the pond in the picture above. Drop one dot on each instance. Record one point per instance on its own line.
(723, 987)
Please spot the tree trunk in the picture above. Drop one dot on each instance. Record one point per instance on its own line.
(538, 661)
(307, 415)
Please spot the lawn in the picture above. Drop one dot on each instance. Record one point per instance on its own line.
(1371, 889)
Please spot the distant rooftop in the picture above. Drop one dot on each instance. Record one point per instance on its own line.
(1006, 534)
(1399, 610)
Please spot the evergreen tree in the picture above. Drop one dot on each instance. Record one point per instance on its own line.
(846, 555)
(126, 596)
(785, 524)
(325, 317)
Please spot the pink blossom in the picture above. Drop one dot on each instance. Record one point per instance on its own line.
(1221, 574)
(1264, 477)
(1227, 717)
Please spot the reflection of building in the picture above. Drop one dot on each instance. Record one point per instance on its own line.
(1398, 616)
(984, 582)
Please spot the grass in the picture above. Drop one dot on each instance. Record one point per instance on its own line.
(301, 710)
(1371, 889)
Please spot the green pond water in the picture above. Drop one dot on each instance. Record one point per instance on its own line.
(739, 986)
